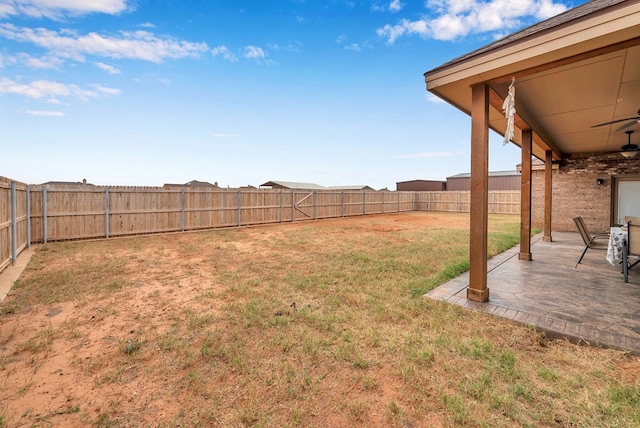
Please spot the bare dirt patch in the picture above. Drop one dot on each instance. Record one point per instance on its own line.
(286, 325)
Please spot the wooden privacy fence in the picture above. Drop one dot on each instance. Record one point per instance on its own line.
(64, 214)
(500, 201)
(14, 224)
(33, 214)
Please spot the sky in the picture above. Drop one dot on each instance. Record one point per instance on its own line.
(242, 92)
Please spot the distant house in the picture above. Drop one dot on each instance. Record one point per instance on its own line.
(356, 187)
(421, 186)
(68, 184)
(292, 185)
(191, 185)
(498, 180)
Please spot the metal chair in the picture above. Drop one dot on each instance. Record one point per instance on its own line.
(631, 249)
(590, 241)
(629, 218)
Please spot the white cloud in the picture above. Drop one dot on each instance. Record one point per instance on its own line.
(6, 60)
(50, 91)
(224, 53)
(353, 47)
(58, 8)
(434, 99)
(428, 155)
(254, 52)
(47, 113)
(106, 90)
(548, 9)
(108, 68)
(224, 135)
(140, 45)
(452, 19)
(395, 6)
(294, 47)
(44, 62)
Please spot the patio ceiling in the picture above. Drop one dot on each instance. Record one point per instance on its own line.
(572, 72)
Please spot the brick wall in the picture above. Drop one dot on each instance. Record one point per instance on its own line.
(576, 193)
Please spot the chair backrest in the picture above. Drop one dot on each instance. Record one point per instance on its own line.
(629, 218)
(633, 238)
(584, 233)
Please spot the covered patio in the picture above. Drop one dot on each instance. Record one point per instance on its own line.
(566, 91)
(589, 304)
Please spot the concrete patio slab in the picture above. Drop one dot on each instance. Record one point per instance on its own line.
(589, 304)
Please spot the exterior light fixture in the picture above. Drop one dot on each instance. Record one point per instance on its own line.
(629, 150)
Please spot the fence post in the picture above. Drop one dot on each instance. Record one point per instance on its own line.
(14, 226)
(44, 214)
(398, 201)
(281, 206)
(239, 207)
(315, 204)
(459, 205)
(293, 205)
(383, 202)
(106, 212)
(429, 201)
(28, 216)
(182, 210)
(342, 202)
(493, 202)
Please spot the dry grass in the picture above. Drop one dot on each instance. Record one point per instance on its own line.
(312, 324)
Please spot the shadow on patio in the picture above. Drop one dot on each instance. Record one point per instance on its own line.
(589, 304)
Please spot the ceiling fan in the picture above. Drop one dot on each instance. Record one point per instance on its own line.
(633, 121)
(629, 150)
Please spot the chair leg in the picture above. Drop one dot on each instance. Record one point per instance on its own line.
(583, 253)
(625, 264)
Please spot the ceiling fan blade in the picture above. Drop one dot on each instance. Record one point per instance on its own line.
(616, 121)
(628, 125)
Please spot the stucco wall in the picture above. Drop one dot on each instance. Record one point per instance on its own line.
(576, 193)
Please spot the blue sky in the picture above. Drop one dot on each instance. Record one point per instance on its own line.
(147, 92)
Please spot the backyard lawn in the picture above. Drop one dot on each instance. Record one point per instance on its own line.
(311, 324)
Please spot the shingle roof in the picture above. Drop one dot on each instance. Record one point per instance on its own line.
(294, 185)
(588, 8)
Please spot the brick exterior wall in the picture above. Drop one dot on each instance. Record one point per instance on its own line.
(576, 193)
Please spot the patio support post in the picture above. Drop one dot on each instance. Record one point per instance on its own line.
(548, 198)
(525, 196)
(479, 216)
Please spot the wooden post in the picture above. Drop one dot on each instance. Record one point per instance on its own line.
(106, 212)
(525, 196)
(14, 224)
(28, 216)
(44, 214)
(182, 210)
(548, 198)
(479, 216)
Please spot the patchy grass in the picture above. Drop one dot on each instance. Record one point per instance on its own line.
(307, 324)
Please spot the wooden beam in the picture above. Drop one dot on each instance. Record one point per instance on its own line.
(548, 198)
(479, 211)
(525, 196)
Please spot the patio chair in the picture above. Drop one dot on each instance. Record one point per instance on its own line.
(590, 241)
(629, 218)
(632, 249)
